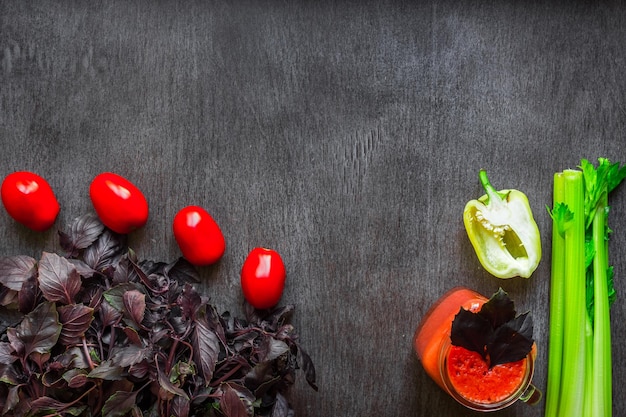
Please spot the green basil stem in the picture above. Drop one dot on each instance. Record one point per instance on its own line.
(573, 371)
(557, 280)
(602, 385)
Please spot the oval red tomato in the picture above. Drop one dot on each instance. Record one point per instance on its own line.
(198, 236)
(120, 205)
(263, 278)
(29, 199)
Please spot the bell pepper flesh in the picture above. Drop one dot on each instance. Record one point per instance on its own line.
(501, 227)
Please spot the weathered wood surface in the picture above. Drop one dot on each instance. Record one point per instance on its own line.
(346, 135)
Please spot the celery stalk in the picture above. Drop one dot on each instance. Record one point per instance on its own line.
(579, 355)
(589, 376)
(557, 280)
(602, 385)
(573, 370)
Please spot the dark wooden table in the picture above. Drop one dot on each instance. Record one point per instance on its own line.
(347, 135)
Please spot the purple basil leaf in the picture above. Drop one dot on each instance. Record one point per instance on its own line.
(134, 305)
(108, 315)
(10, 375)
(76, 378)
(46, 404)
(119, 404)
(133, 336)
(189, 301)
(38, 332)
(27, 298)
(149, 267)
(7, 297)
(123, 270)
(58, 279)
(40, 358)
(470, 331)
(281, 407)
(104, 252)
(92, 296)
(166, 384)
(84, 230)
(148, 279)
(498, 310)
(52, 378)
(12, 399)
(285, 332)
(270, 348)
(115, 295)
(216, 323)
(107, 371)
(236, 401)
(206, 346)
(258, 374)
(9, 317)
(140, 370)
(512, 341)
(308, 367)
(76, 357)
(82, 268)
(15, 270)
(180, 407)
(75, 320)
(129, 355)
(279, 315)
(252, 314)
(182, 270)
(6, 353)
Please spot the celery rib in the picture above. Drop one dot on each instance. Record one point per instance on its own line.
(579, 379)
(555, 342)
(573, 369)
(602, 385)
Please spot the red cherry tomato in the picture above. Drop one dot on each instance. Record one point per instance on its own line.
(198, 236)
(263, 278)
(29, 199)
(121, 206)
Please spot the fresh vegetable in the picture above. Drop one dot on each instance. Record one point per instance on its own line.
(29, 199)
(579, 353)
(503, 232)
(263, 278)
(198, 236)
(100, 332)
(121, 206)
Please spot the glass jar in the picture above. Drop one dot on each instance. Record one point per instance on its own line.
(432, 346)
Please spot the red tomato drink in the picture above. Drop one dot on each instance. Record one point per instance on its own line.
(472, 379)
(462, 373)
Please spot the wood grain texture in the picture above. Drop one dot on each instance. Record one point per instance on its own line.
(347, 135)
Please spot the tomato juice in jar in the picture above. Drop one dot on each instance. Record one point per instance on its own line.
(464, 374)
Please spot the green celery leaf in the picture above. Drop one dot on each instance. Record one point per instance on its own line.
(562, 216)
(615, 175)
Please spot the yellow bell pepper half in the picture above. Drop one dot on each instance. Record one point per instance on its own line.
(503, 232)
